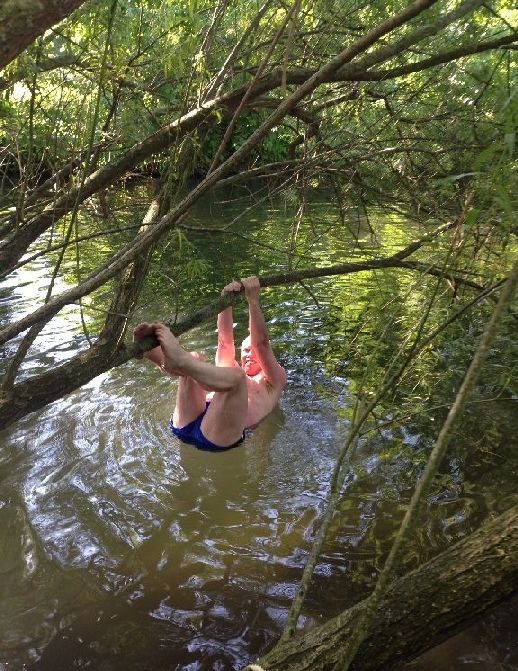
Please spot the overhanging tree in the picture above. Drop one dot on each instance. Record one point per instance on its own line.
(375, 55)
(390, 108)
(346, 70)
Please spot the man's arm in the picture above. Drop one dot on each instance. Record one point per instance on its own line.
(260, 340)
(226, 352)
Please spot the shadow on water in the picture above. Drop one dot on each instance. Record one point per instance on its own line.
(122, 548)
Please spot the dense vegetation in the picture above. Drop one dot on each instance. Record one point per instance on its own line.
(412, 108)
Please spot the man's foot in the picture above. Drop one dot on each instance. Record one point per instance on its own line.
(154, 355)
(174, 355)
(142, 330)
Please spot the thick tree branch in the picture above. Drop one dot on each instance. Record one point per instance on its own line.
(22, 21)
(418, 611)
(42, 66)
(130, 284)
(438, 59)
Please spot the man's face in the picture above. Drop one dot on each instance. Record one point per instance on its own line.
(248, 361)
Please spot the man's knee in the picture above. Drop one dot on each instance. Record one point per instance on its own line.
(238, 377)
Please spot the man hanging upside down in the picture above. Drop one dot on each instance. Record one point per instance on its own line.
(215, 404)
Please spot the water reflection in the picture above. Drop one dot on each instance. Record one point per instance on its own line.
(140, 533)
(486, 646)
(121, 548)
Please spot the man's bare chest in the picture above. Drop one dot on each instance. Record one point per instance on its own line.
(259, 391)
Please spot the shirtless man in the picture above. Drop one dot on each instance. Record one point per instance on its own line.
(215, 404)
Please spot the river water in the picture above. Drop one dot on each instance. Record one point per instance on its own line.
(122, 548)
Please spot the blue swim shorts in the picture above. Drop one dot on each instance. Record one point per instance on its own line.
(192, 434)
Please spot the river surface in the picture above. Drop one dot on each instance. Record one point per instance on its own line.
(122, 548)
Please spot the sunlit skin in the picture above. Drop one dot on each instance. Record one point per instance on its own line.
(240, 395)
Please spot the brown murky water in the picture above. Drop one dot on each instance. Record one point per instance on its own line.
(121, 548)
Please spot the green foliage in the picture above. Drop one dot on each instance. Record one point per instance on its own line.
(373, 324)
(274, 146)
(156, 69)
(435, 144)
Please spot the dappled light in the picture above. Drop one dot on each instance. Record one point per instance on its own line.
(360, 160)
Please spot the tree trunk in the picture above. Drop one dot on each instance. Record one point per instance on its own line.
(22, 21)
(419, 610)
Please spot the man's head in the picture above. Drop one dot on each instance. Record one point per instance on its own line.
(248, 361)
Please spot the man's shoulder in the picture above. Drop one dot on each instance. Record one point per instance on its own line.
(275, 384)
(280, 379)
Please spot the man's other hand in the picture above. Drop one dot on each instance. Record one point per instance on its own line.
(230, 287)
(252, 288)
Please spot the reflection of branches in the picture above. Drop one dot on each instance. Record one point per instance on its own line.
(340, 468)
(105, 354)
(81, 238)
(211, 310)
(97, 279)
(462, 582)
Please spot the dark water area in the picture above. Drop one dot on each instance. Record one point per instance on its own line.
(122, 548)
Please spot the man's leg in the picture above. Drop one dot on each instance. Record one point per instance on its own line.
(226, 417)
(190, 398)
